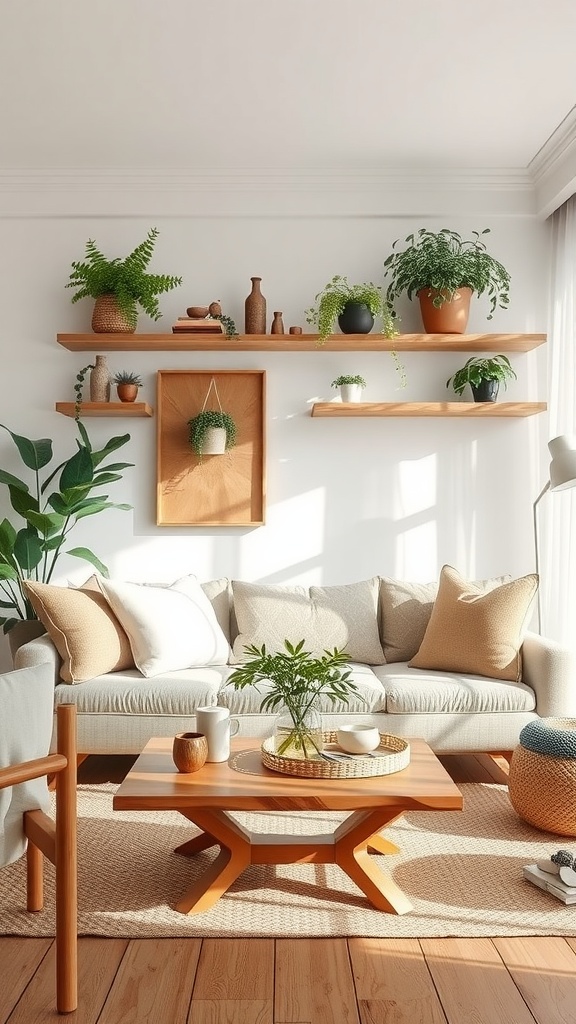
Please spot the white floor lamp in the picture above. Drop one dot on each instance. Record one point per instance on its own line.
(562, 476)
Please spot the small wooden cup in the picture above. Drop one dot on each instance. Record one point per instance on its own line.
(189, 751)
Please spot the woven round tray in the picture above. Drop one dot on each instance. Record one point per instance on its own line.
(393, 755)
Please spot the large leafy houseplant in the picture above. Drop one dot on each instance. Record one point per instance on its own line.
(294, 681)
(127, 279)
(442, 262)
(48, 510)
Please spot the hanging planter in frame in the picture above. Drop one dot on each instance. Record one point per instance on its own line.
(212, 431)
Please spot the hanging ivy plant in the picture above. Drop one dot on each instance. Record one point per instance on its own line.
(200, 425)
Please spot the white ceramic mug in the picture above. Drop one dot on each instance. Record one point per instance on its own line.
(217, 726)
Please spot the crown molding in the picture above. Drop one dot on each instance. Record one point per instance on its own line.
(264, 191)
(553, 168)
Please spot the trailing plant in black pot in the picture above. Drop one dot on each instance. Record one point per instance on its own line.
(354, 306)
(484, 375)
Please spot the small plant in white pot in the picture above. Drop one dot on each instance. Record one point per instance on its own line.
(351, 387)
(212, 432)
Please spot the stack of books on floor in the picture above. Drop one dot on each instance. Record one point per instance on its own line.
(551, 883)
(203, 325)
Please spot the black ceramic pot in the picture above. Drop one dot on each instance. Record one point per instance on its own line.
(356, 318)
(487, 391)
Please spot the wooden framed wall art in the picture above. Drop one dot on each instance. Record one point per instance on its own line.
(210, 490)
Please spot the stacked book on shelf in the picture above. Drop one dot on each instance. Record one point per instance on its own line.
(203, 325)
(551, 882)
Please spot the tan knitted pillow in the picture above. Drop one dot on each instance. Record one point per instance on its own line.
(474, 631)
(83, 629)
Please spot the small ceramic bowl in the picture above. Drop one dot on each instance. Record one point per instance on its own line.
(358, 739)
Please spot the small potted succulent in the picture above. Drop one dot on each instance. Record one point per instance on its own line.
(484, 375)
(443, 270)
(127, 384)
(351, 387)
(353, 306)
(212, 432)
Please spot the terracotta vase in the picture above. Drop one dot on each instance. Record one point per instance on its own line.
(127, 392)
(100, 381)
(108, 319)
(277, 324)
(449, 318)
(255, 310)
(189, 751)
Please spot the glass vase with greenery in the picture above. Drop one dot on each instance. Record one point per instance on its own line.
(294, 681)
(48, 510)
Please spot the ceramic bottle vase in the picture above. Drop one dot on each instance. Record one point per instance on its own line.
(100, 381)
(255, 310)
(277, 324)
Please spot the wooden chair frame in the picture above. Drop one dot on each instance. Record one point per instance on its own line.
(55, 838)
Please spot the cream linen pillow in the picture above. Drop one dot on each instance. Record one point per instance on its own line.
(324, 617)
(169, 628)
(405, 610)
(471, 630)
(83, 629)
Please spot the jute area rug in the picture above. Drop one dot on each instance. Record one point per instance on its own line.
(462, 870)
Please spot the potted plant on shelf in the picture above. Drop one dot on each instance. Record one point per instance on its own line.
(212, 432)
(484, 375)
(127, 384)
(351, 387)
(443, 270)
(47, 511)
(294, 682)
(354, 306)
(120, 286)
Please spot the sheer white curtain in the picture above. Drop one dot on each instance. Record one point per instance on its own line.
(557, 511)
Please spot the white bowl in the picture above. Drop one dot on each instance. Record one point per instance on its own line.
(358, 739)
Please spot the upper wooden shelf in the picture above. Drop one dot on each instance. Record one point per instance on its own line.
(428, 408)
(300, 342)
(105, 409)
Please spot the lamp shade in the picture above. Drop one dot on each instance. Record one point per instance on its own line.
(563, 465)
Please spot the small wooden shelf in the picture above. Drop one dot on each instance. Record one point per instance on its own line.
(106, 409)
(428, 408)
(300, 343)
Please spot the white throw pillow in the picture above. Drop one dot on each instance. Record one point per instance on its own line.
(169, 628)
(324, 617)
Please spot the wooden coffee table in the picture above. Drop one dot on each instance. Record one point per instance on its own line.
(244, 784)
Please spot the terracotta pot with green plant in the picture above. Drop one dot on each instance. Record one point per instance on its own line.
(127, 385)
(351, 386)
(443, 270)
(294, 681)
(484, 375)
(212, 432)
(120, 286)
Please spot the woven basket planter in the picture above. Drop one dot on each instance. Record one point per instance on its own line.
(542, 790)
(107, 318)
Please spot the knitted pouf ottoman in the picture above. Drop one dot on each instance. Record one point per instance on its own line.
(542, 779)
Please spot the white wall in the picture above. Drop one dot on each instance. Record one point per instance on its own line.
(346, 498)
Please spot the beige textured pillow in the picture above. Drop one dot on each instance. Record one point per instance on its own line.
(324, 617)
(471, 630)
(83, 629)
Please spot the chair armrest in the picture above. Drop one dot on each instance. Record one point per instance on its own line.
(550, 669)
(39, 652)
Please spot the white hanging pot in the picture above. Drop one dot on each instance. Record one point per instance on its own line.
(215, 441)
(351, 392)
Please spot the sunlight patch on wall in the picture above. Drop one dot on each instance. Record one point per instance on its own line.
(416, 517)
(279, 548)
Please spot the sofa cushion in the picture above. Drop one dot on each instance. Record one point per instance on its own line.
(130, 693)
(83, 629)
(471, 630)
(370, 696)
(169, 628)
(412, 691)
(324, 617)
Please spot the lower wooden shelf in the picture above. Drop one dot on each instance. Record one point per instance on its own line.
(428, 408)
(106, 409)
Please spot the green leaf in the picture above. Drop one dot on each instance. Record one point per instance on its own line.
(84, 434)
(111, 446)
(7, 538)
(22, 501)
(7, 573)
(89, 556)
(78, 470)
(27, 549)
(12, 481)
(45, 522)
(34, 454)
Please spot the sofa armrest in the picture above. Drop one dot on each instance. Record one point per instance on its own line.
(39, 652)
(550, 669)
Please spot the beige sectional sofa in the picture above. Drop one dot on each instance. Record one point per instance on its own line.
(382, 623)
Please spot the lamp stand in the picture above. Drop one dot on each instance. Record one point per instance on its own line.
(537, 551)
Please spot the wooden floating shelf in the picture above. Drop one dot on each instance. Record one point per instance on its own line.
(428, 408)
(106, 409)
(300, 343)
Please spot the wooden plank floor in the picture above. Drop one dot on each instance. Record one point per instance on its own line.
(299, 981)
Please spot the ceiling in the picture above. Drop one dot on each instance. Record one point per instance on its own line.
(240, 84)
